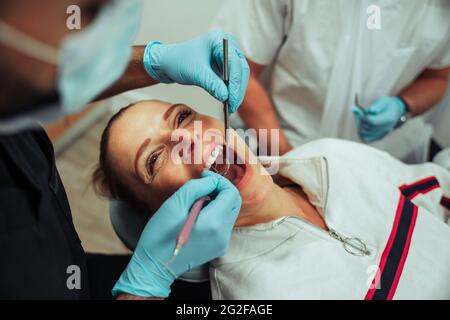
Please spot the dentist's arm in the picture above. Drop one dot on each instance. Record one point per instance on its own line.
(148, 276)
(135, 76)
(257, 110)
(427, 90)
(195, 62)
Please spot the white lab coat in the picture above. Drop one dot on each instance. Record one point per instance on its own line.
(330, 55)
(400, 212)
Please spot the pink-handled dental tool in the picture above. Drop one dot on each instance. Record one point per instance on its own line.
(185, 232)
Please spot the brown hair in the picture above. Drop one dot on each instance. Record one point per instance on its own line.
(106, 183)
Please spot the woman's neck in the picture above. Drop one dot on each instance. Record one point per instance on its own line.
(279, 202)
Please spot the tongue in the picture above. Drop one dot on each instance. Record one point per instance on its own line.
(234, 173)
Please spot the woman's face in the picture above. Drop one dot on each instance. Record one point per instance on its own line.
(156, 147)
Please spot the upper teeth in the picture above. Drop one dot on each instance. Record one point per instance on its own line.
(213, 156)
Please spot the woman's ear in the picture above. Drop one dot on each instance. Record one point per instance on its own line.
(100, 183)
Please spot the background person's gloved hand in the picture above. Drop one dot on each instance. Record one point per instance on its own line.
(381, 118)
(199, 62)
(146, 274)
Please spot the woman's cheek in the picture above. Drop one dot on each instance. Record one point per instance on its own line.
(171, 178)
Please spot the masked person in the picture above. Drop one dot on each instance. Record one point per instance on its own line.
(309, 60)
(49, 71)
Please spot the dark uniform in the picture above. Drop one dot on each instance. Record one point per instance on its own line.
(38, 241)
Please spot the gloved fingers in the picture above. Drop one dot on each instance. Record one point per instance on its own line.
(224, 186)
(194, 189)
(238, 69)
(222, 183)
(366, 127)
(379, 120)
(179, 204)
(359, 114)
(228, 199)
(367, 135)
(378, 107)
(370, 135)
(239, 74)
(382, 125)
(212, 83)
(215, 222)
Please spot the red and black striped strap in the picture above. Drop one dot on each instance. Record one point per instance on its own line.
(394, 255)
(393, 258)
(445, 202)
(420, 187)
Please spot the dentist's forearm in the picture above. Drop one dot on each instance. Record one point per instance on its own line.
(427, 90)
(135, 76)
(258, 112)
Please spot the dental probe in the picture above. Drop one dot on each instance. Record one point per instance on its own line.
(185, 232)
(359, 106)
(226, 80)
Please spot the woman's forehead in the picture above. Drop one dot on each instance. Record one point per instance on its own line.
(145, 115)
(150, 108)
(138, 123)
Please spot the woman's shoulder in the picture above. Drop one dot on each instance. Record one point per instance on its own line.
(331, 147)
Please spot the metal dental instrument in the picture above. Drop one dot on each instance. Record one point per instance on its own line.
(226, 80)
(359, 106)
(226, 112)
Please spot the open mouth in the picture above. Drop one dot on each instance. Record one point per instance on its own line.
(226, 162)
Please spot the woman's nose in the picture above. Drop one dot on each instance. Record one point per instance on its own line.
(186, 144)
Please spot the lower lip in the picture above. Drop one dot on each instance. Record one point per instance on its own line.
(245, 179)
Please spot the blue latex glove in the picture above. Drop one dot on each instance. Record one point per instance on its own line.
(146, 274)
(381, 118)
(199, 62)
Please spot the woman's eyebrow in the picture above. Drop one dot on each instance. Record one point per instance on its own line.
(139, 153)
(170, 110)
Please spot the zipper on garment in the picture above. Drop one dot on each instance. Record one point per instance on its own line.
(354, 246)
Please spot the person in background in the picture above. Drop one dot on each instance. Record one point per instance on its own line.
(309, 59)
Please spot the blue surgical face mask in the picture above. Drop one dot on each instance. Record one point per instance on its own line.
(88, 61)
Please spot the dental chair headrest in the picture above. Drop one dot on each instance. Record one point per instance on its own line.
(128, 224)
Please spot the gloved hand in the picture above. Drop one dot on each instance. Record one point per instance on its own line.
(147, 274)
(199, 62)
(381, 118)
